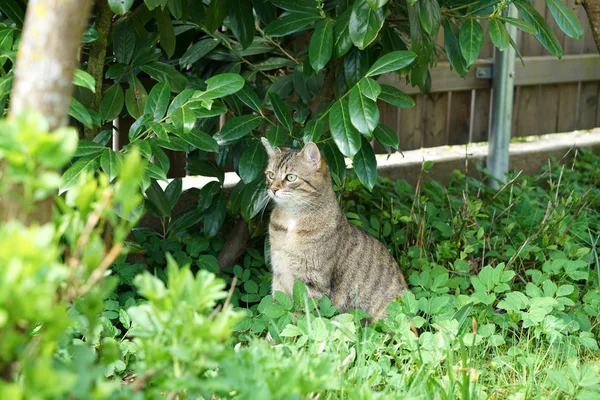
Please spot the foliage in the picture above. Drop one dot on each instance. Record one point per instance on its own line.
(302, 70)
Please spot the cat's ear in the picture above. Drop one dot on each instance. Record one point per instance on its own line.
(268, 147)
(311, 153)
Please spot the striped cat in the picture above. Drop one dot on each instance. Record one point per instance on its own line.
(311, 239)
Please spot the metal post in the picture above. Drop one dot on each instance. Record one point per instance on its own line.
(502, 107)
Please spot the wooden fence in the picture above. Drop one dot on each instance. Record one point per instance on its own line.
(551, 95)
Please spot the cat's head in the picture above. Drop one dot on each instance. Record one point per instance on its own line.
(295, 177)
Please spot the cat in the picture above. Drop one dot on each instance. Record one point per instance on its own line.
(311, 239)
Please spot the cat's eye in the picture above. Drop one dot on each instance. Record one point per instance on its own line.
(291, 177)
(271, 175)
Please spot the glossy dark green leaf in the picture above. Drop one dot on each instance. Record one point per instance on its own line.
(176, 8)
(241, 19)
(124, 42)
(160, 158)
(375, 4)
(181, 99)
(238, 127)
(174, 143)
(498, 34)
(369, 88)
(395, 97)
(565, 18)
(197, 51)
(12, 10)
(341, 34)
(154, 172)
(215, 216)
(253, 162)
(272, 63)
(183, 221)
(282, 112)
(313, 130)
(215, 14)
(216, 109)
(222, 85)
(200, 140)
(184, 119)
(120, 7)
(300, 6)
(392, 61)
(452, 46)
(254, 199)
(345, 135)
(365, 23)
(152, 4)
(83, 165)
(87, 147)
(249, 97)
(544, 35)
(110, 162)
(159, 130)
(522, 25)
(166, 31)
(277, 135)
(173, 191)
(334, 159)
(356, 65)
(156, 196)
(320, 48)
(386, 136)
(364, 112)
(365, 164)
(158, 100)
(265, 10)
(430, 16)
(80, 113)
(135, 97)
(166, 73)
(289, 24)
(81, 78)
(207, 194)
(471, 40)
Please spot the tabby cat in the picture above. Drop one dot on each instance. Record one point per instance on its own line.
(311, 239)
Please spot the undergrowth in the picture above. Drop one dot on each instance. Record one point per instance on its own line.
(505, 294)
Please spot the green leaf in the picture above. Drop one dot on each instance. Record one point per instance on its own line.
(200, 140)
(471, 40)
(222, 85)
(299, 6)
(273, 63)
(313, 130)
(124, 42)
(176, 8)
(215, 216)
(544, 35)
(87, 147)
(395, 97)
(375, 4)
(364, 112)
(452, 47)
(369, 88)
(249, 97)
(166, 31)
(365, 164)
(265, 11)
(344, 134)
(152, 4)
(120, 7)
(430, 16)
(392, 61)
(135, 97)
(12, 10)
(197, 51)
(252, 162)
(159, 130)
(238, 127)
(215, 14)
(71, 176)
(156, 196)
(173, 192)
(281, 110)
(216, 109)
(386, 136)
(112, 103)
(341, 34)
(242, 21)
(164, 72)
(335, 160)
(83, 79)
(158, 100)
(276, 135)
(180, 100)
(289, 24)
(365, 23)
(184, 119)
(110, 163)
(498, 34)
(321, 45)
(565, 18)
(153, 171)
(80, 113)
(522, 25)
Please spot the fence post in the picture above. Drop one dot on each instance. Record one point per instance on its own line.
(502, 108)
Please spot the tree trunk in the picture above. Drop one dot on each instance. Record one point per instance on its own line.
(592, 8)
(46, 61)
(95, 65)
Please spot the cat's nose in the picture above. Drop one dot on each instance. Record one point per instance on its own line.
(274, 190)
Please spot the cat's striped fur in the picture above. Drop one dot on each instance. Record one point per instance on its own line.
(311, 239)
